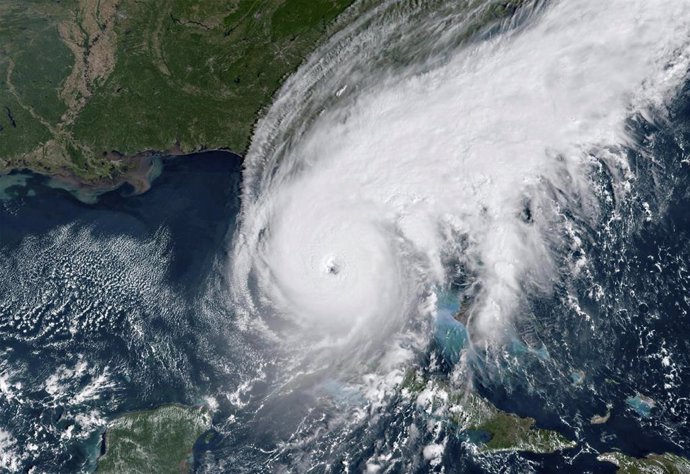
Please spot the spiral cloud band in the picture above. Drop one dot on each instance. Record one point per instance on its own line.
(407, 148)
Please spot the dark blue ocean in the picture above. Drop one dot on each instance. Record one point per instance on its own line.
(98, 297)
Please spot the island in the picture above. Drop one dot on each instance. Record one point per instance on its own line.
(509, 432)
(478, 421)
(153, 441)
(666, 463)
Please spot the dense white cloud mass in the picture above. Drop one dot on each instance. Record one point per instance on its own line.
(399, 147)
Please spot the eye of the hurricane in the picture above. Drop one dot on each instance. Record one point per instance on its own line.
(331, 266)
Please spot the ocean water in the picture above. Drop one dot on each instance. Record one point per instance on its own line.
(97, 314)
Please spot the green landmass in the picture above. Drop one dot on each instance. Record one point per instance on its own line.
(484, 425)
(89, 89)
(153, 441)
(86, 85)
(509, 432)
(653, 464)
(505, 431)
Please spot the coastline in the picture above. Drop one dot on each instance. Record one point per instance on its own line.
(143, 168)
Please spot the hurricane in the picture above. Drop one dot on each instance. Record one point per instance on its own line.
(455, 165)
(416, 153)
(423, 161)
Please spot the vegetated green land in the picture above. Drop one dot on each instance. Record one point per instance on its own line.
(154, 441)
(84, 82)
(478, 418)
(509, 432)
(653, 464)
